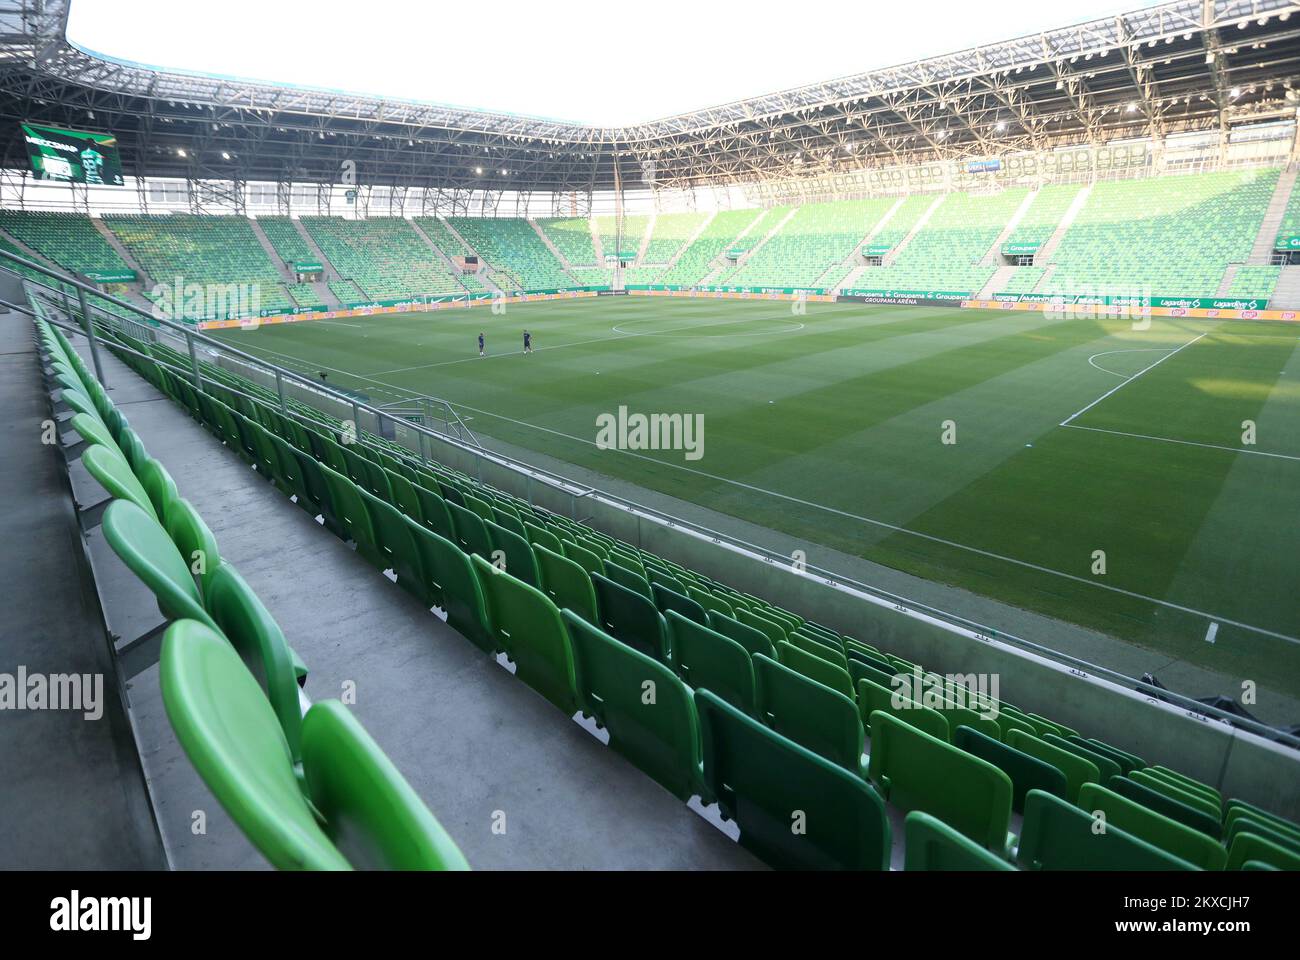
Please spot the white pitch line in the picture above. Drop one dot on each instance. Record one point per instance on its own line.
(1129, 380)
(1108, 353)
(1186, 443)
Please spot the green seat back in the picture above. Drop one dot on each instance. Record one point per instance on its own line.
(541, 537)
(1106, 767)
(666, 599)
(260, 643)
(629, 579)
(714, 605)
(933, 845)
(565, 582)
(354, 795)
(395, 543)
(194, 541)
(647, 710)
(516, 553)
(349, 509)
(590, 561)
(1248, 846)
(471, 534)
(814, 667)
(809, 713)
(1167, 805)
(91, 428)
(707, 660)
(874, 697)
(774, 632)
(1182, 841)
(1026, 772)
(1057, 835)
(755, 641)
(231, 735)
(795, 810)
(1127, 762)
(630, 616)
(149, 553)
(111, 471)
(369, 809)
(1077, 770)
(819, 648)
(453, 585)
(916, 771)
(159, 486)
(527, 626)
(1187, 782)
(434, 513)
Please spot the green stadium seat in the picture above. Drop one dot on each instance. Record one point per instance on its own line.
(195, 542)
(809, 713)
(1127, 761)
(647, 710)
(353, 794)
(916, 771)
(823, 671)
(454, 585)
(933, 845)
(260, 643)
(587, 559)
(1077, 770)
(113, 473)
(434, 513)
(629, 616)
(1057, 835)
(1248, 846)
(1106, 767)
(1164, 804)
(752, 640)
(873, 698)
(471, 534)
(1261, 828)
(518, 553)
(566, 583)
(349, 509)
(1026, 772)
(1182, 841)
(528, 627)
(795, 810)
(666, 599)
(149, 553)
(707, 660)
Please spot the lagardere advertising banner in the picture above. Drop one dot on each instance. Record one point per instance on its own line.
(1183, 303)
(72, 156)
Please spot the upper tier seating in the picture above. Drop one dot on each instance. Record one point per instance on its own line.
(69, 239)
(286, 240)
(203, 250)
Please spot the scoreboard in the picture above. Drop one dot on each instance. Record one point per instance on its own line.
(72, 156)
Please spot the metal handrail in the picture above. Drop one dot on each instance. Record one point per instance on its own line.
(956, 622)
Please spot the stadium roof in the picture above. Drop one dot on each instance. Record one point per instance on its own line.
(1182, 66)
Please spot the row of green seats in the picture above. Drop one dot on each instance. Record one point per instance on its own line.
(310, 791)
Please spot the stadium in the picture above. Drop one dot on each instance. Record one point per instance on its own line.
(893, 473)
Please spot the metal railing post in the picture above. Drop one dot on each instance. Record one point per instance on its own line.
(89, 326)
(279, 389)
(194, 360)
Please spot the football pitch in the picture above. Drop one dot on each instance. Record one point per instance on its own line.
(1144, 483)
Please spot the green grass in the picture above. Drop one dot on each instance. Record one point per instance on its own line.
(828, 426)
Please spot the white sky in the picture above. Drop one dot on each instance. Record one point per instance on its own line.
(605, 64)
